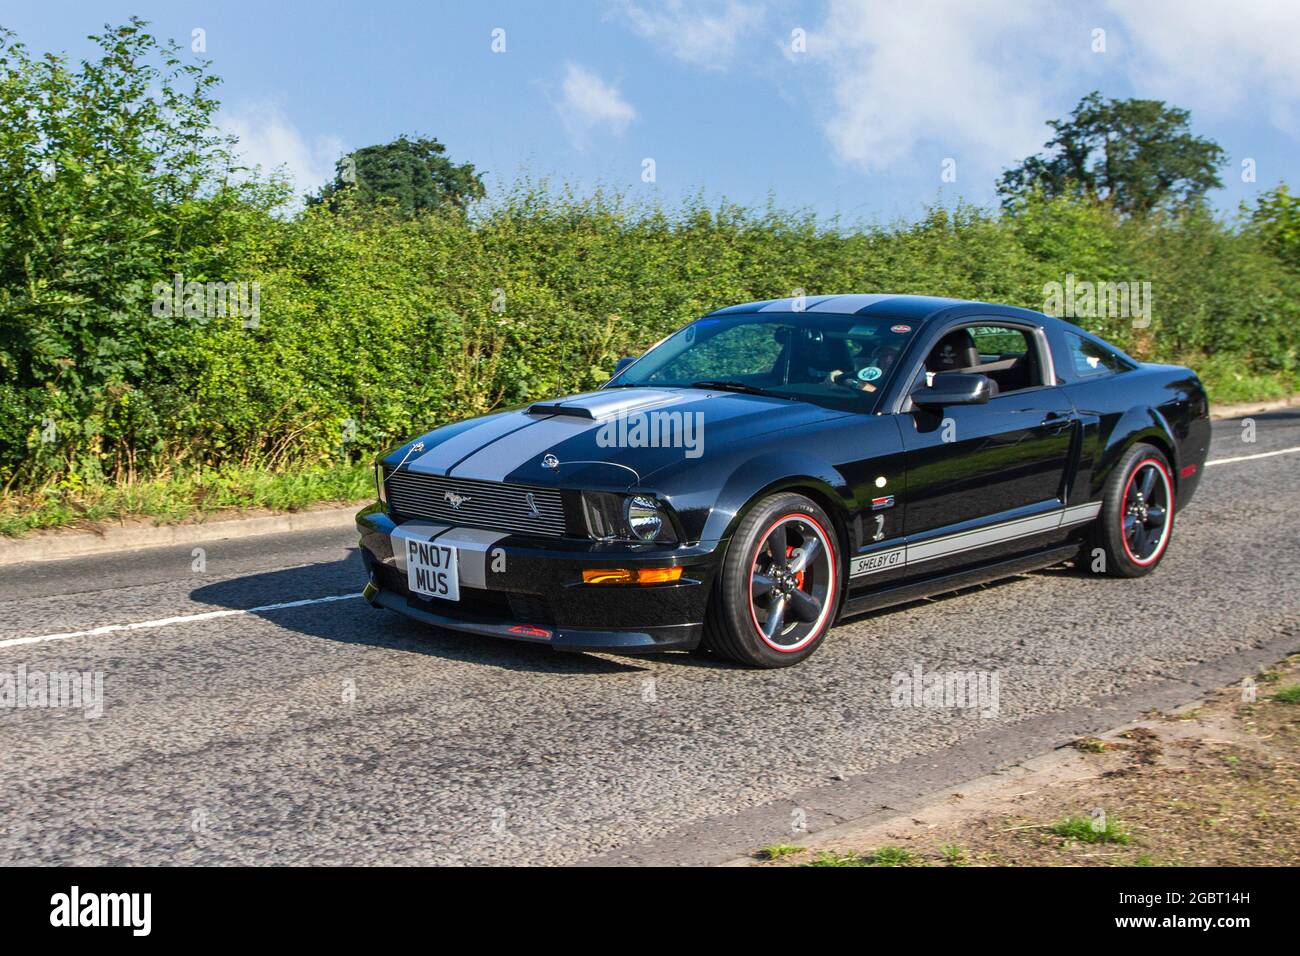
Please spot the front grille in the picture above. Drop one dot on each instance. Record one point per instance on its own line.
(483, 504)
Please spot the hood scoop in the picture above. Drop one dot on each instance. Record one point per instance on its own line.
(607, 403)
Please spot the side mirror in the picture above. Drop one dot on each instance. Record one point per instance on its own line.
(623, 363)
(954, 388)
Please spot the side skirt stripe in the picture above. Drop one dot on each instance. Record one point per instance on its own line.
(964, 541)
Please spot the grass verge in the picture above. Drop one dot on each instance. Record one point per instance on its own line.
(183, 498)
(884, 856)
(1228, 381)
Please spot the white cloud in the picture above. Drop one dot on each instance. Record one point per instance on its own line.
(588, 103)
(702, 32)
(966, 77)
(978, 81)
(1216, 57)
(268, 138)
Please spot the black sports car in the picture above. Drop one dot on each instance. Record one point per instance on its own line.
(775, 465)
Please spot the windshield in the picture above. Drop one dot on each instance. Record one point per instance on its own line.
(841, 361)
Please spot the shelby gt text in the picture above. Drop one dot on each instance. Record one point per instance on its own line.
(775, 465)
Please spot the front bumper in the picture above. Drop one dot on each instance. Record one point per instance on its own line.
(531, 589)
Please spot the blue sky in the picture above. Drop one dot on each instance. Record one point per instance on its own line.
(857, 123)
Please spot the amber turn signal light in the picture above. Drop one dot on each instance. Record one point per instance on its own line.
(631, 575)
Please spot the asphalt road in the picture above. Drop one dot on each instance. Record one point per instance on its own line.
(334, 733)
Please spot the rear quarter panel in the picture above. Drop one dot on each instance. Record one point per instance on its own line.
(1164, 405)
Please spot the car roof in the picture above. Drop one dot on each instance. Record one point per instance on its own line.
(914, 308)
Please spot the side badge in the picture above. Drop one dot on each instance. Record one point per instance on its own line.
(880, 504)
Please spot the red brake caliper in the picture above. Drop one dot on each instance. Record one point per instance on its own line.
(798, 575)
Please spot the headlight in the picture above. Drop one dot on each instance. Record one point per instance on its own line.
(379, 483)
(613, 517)
(644, 518)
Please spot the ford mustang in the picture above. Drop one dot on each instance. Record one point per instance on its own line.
(775, 466)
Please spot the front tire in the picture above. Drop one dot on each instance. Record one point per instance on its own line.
(1137, 514)
(779, 588)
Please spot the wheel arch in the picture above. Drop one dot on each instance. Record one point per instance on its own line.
(1138, 424)
(767, 474)
(825, 486)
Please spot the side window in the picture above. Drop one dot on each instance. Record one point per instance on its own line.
(1004, 353)
(998, 343)
(1090, 360)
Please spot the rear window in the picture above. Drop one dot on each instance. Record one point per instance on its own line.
(1090, 360)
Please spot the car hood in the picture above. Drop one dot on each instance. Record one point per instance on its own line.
(611, 438)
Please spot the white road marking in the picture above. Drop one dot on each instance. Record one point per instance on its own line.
(168, 621)
(1263, 454)
(213, 615)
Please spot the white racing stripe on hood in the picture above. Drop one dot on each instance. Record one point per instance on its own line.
(500, 458)
(602, 404)
(438, 459)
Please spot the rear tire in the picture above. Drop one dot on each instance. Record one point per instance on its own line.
(1136, 522)
(779, 589)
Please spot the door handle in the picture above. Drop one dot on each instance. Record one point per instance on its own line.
(1057, 422)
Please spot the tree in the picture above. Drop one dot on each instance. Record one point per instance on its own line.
(1133, 155)
(112, 175)
(413, 174)
(1276, 219)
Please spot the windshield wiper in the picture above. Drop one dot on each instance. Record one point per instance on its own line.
(738, 387)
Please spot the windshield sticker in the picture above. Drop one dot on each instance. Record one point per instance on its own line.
(870, 373)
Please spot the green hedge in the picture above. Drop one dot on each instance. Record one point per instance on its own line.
(373, 329)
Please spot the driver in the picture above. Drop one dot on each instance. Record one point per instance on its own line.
(864, 371)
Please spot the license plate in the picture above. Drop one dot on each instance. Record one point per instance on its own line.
(431, 569)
